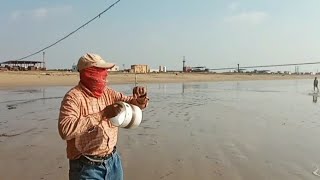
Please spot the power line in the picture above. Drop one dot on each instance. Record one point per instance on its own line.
(98, 16)
(264, 66)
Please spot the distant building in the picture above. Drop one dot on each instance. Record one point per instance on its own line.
(74, 68)
(262, 71)
(140, 68)
(199, 69)
(154, 70)
(115, 68)
(22, 65)
(162, 69)
(187, 69)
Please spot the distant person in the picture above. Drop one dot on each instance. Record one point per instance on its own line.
(84, 122)
(315, 98)
(315, 84)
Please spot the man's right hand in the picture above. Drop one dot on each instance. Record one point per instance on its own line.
(112, 110)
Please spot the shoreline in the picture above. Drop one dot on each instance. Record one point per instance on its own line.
(9, 79)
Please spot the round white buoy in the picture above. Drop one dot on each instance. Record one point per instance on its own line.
(130, 116)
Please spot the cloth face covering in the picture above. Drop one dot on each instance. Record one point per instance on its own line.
(94, 79)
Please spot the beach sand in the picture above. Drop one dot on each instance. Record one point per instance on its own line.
(227, 130)
(52, 78)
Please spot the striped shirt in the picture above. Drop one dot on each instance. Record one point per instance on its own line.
(80, 122)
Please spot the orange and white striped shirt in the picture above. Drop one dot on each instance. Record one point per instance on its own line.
(80, 121)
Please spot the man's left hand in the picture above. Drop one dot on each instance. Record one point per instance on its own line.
(139, 92)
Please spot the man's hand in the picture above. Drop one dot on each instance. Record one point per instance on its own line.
(140, 95)
(112, 110)
(139, 92)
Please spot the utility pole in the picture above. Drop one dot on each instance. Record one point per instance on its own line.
(135, 79)
(238, 68)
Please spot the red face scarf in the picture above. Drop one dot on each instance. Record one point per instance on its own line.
(94, 79)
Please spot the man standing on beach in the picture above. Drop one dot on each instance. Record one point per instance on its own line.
(84, 122)
(315, 84)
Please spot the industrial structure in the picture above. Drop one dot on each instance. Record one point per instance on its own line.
(199, 69)
(192, 69)
(22, 65)
(19, 65)
(184, 65)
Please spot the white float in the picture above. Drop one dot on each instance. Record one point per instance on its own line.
(130, 116)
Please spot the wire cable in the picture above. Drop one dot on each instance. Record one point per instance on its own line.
(65, 37)
(264, 66)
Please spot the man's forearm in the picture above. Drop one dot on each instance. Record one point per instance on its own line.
(70, 127)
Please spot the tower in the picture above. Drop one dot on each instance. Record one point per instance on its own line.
(43, 62)
(184, 64)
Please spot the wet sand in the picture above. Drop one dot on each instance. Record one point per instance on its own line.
(210, 130)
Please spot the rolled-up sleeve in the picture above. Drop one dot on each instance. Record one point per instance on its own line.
(70, 123)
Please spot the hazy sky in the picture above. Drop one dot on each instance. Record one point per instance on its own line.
(211, 33)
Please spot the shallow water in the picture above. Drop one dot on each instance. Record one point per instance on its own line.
(217, 130)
